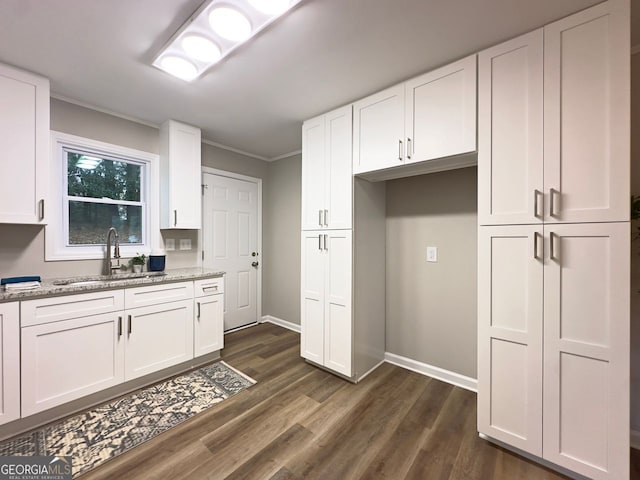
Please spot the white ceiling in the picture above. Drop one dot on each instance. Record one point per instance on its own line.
(323, 54)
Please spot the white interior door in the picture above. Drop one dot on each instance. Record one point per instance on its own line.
(230, 244)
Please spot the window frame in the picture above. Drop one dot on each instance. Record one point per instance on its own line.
(57, 230)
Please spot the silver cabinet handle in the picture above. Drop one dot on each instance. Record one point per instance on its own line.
(326, 218)
(41, 209)
(552, 203)
(320, 242)
(535, 245)
(553, 247)
(175, 218)
(198, 303)
(210, 287)
(320, 217)
(400, 150)
(326, 247)
(536, 195)
(409, 152)
(129, 327)
(119, 327)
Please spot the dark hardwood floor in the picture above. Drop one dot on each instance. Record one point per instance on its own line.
(299, 422)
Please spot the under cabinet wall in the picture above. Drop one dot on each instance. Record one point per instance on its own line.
(431, 307)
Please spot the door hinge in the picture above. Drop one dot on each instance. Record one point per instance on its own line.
(203, 255)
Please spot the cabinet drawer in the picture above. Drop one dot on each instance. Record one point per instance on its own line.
(209, 286)
(156, 294)
(46, 310)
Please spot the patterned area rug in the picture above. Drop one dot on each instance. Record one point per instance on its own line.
(97, 435)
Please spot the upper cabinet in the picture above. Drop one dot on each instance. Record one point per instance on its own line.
(510, 132)
(586, 116)
(180, 172)
(326, 171)
(579, 172)
(24, 134)
(429, 117)
(440, 112)
(378, 131)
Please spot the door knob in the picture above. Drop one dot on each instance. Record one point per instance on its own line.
(254, 264)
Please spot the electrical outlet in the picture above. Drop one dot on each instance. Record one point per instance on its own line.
(185, 244)
(432, 254)
(169, 244)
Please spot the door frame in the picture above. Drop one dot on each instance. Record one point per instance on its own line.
(258, 182)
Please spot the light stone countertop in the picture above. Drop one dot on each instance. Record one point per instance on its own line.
(71, 285)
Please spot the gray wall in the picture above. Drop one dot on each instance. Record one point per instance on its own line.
(635, 245)
(281, 234)
(431, 307)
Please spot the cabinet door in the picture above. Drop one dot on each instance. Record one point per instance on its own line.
(510, 132)
(314, 172)
(339, 186)
(338, 329)
(209, 325)
(312, 297)
(65, 360)
(181, 172)
(9, 362)
(586, 116)
(440, 112)
(510, 271)
(378, 131)
(586, 344)
(158, 337)
(24, 135)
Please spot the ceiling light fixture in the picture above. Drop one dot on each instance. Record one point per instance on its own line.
(216, 29)
(230, 24)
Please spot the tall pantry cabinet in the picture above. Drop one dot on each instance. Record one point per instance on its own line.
(554, 240)
(342, 329)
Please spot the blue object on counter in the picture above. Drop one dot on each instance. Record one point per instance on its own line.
(156, 263)
(33, 278)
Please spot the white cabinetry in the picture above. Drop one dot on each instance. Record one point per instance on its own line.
(326, 316)
(76, 345)
(586, 348)
(440, 112)
(208, 334)
(70, 348)
(585, 113)
(326, 170)
(9, 362)
(429, 117)
(24, 135)
(378, 130)
(553, 373)
(510, 132)
(157, 337)
(180, 176)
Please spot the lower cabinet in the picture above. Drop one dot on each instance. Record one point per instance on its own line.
(208, 335)
(68, 359)
(9, 362)
(63, 348)
(157, 337)
(327, 331)
(553, 372)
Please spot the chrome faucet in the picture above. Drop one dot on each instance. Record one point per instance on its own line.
(110, 268)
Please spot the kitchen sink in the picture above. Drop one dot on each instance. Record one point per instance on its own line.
(104, 279)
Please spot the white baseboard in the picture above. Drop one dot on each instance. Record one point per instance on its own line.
(438, 373)
(635, 439)
(281, 323)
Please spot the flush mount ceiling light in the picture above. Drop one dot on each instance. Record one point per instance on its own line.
(216, 29)
(87, 162)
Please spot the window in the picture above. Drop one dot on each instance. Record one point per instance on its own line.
(99, 186)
